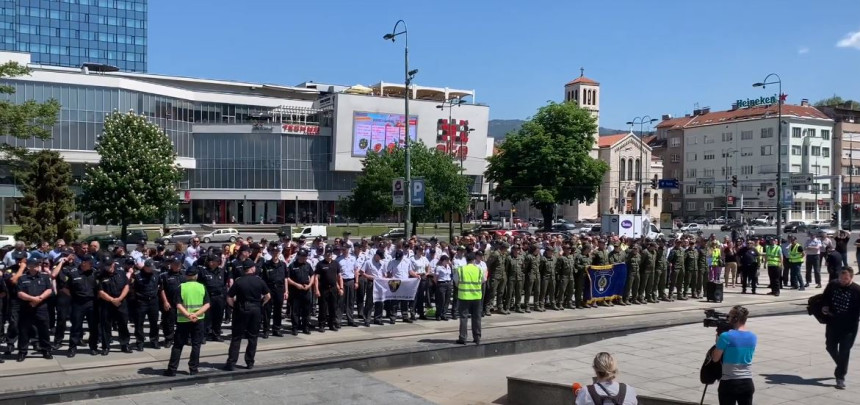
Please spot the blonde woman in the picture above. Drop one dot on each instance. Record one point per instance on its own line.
(730, 259)
(605, 390)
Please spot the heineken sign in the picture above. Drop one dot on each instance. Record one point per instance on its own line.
(756, 102)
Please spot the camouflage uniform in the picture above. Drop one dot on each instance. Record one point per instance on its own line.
(564, 282)
(660, 261)
(676, 277)
(547, 280)
(580, 267)
(646, 277)
(515, 281)
(531, 267)
(702, 271)
(496, 265)
(634, 263)
(691, 263)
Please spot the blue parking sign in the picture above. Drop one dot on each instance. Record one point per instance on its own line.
(418, 191)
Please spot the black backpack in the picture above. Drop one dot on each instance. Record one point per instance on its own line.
(813, 307)
(711, 371)
(598, 399)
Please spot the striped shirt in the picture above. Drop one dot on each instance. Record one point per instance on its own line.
(738, 347)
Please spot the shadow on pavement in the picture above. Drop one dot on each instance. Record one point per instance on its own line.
(450, 341)
(788, 379)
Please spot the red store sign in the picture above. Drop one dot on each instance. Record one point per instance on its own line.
(300, 129)
(452, 137)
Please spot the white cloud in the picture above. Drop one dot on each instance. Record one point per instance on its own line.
(803, 50)
(852, 40)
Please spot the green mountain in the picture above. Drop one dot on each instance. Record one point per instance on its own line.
(499, 128)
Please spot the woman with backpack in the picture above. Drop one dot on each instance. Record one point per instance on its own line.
(605, 390)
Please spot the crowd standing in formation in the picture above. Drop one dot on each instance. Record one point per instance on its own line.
(186, 294)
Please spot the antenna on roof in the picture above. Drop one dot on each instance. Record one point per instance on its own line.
(696, 105)
(581, 72)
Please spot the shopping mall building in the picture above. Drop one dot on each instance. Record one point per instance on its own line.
(253, 152)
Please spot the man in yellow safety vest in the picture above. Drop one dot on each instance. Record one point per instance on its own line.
(774, 268)
(191, 306)
(468, 280)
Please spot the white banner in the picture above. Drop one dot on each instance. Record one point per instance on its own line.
(387, 289)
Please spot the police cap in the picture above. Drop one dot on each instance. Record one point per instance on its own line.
(191, 271)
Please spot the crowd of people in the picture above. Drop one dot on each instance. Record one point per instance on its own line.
(322, 285)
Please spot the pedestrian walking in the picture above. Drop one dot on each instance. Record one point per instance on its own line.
(842, 308)
(191, 306)
(468, 279)
(246, 296)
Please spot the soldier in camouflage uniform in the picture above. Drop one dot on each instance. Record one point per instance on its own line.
(701, 268)
(634, 263)
(515, 280)
(658, 293)
(531, 267)
(496, 265)
(646, 274)
(564, 279)
(691, 263)
(676, 277)
(547, 278)
(616, 255)
(580, 267)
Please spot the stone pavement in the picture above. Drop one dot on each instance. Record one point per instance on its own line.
(337, 386)
(332, 349)
(790, 365)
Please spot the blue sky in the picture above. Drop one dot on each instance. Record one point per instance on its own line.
(651, 57)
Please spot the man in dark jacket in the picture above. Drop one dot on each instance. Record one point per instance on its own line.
(842, 306)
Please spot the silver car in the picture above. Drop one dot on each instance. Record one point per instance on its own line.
(181, 235)
(221, 235)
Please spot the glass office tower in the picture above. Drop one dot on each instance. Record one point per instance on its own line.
(73, 32)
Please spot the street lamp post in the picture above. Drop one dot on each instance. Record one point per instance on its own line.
(408, 75)
(726, 170)
(763, 84)
(641, 121)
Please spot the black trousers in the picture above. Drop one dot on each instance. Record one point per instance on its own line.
(392, 307)
(839, 339)
(246, 325)
(14, 317)
(187, 333)
(168, 323)
(774, 273)
(813, 265)
(420, 298)
(30, 317)
(346, 302)
(64, 309)
(443, 299)
(363, 296)
(110, 315)
(215, 315)
(328, 308)
(748, 276)
(738, 392)
(84, 310)
(147, 309)
(273, 314)
(300, 308)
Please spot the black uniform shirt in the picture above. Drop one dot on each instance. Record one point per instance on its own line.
(275, 274)
(112, 284)
(169, 283)
(214, 280)
(300, 273)
(34, 286)
(146, 285)
(82, 284)
(248, 290)
(327, 274)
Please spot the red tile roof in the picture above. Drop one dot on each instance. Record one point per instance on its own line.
(607, 141)
(741, 114)
(674, 123)
(583, 80)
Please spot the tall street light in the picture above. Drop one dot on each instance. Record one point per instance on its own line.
(726, 171)
(763, 84)
(641, 121)
(408, 75)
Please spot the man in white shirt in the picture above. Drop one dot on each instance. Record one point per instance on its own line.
(373, 268)
(348, 273)
(813, 249)
(420, 267)
(400, 269)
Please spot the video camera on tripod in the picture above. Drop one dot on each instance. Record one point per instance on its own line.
(717, 319)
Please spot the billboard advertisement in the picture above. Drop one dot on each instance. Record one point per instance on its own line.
(380, 131)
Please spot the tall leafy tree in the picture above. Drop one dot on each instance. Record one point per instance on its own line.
(547, 160)
(48, 201)
(837, 101)
(136, 177)
(445, 187)
(25, 120)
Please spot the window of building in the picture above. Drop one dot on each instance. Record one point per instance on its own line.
(783, 150)
(825, 152)
(797, 206)
(709, 205)
(811, 132)
(708, 155)
(727, 136)
(795, 132)
(675, 141)
(709, 139)
(638, 170)
(746, 187)
(691, 189)
(691, 156)
(691, 173)
(654, 201)
(825, 134)
(747, 169)
(746, 152)
(630, 169)
(795, 150)
(746, 135)
(691, 205)
(795, 168)
(727, 171)
(707, 190)
(676, 158)
(767, 133)
(825, 169)
(621, 172)
(676, 205)
(708, 173)
(816, 151)
(816, 169)
(825, 188)
(767, 150)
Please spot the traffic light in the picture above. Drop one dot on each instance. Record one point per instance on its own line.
(734, 180)
(654, 182)
(833, 216)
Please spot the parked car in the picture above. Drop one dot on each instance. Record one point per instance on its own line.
(135, 236)
(180, 235)
(717, 221)
(7, 240)
(794, 227)
(565, 227)
(393, 233)
(691, 228)
(700, 221)
(106, 240)
(221, 235)
(853, 225)
(284, 231)
(479, 228)
(817, 229)
(595, 230)
(731, 226)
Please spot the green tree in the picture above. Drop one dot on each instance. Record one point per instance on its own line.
(445, 189)
(547, 160)
(837, 101)
(136, 177)
(48, 202)
(26, 120)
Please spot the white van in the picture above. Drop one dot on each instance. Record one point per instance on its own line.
(310, 232)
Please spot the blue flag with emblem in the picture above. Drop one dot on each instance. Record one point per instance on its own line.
(607, 282)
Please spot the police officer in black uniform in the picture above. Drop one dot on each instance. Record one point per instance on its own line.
(13, 275)
(81, 287)
(34, 289)
(61, 272)
(145, 286)
(112, 289)
(275, 275)
(214, 278)
(328, 286)
(300, 278)
(168, 290)
(246, 296)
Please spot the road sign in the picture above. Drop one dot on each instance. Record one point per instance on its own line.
(787, 198)
(800, 179)
(731, 199)
(705, 182)
(771, 192)
(668, 183)
(417, 192)
(398, 194)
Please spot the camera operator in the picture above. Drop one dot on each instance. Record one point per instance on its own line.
(842, 307)
(735, 349)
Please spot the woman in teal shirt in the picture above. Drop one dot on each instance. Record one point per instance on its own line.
(736, 348)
